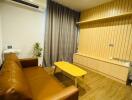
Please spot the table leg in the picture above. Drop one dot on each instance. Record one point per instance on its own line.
(54, 69)
(83, 77)
(76, 83)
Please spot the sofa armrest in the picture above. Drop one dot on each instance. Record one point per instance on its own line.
(69, 93)
(29, 62)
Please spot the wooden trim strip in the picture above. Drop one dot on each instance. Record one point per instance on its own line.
(105, 18)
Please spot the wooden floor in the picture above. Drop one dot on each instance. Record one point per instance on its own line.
(102, 88)
(98, 87)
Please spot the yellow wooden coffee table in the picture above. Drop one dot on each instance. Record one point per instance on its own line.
(71, 69)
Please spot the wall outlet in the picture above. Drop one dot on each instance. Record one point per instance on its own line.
(111, 45)
(9, 47)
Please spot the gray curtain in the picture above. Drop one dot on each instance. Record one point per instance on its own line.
(61, 34)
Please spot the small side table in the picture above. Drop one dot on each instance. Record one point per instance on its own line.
(71, 69)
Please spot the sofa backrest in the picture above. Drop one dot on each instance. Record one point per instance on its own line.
(13, 83)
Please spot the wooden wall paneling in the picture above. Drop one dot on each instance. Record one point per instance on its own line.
(124, 47)
(90, 37)
(117, 36)
(129, 30)
(130, 42)
(95, 40)
(125, 32)
(104, 39)
(106, 43)
(97, 28)
(99, 47)
(115, 47)
(121, 39)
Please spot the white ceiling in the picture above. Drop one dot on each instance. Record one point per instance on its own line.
(80, 5)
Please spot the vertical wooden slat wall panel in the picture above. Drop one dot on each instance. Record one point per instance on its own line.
(107, 38)
(103, 39)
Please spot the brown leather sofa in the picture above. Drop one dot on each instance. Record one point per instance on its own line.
(22, 79)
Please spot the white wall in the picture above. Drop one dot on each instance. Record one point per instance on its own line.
(21, 28)
(0, 40)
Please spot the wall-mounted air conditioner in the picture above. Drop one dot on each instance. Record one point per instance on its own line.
(38, 5)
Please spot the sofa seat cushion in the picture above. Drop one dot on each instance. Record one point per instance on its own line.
(42, 84)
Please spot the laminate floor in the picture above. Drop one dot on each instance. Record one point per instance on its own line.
(98, 87)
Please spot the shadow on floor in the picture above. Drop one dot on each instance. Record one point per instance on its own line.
(66, 81)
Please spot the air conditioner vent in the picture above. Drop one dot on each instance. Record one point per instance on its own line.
(36, 4)
(26, 3)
